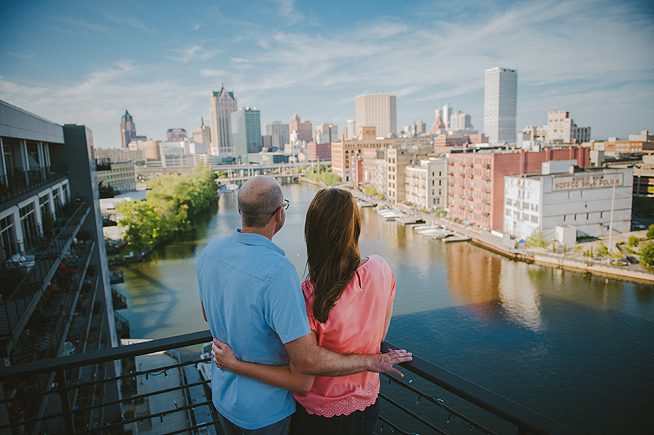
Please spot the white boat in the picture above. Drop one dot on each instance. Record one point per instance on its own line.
(435, 233)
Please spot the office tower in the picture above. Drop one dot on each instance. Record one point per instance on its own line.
(460, 121)
(203, 134)
(127, 129)
(279, 134)
(326, 133)
(223, 103)
(500, 104)
(446, 113)
(376, 110)
(351, 129)
(55, 294)
(304, 129)
(246, 131)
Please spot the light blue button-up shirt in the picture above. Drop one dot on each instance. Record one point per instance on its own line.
(253, 302)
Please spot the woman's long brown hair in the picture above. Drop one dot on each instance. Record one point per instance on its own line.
(331, 232)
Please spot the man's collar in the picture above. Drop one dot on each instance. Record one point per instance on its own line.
(256, 240)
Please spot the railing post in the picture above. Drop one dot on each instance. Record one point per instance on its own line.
(65, 401)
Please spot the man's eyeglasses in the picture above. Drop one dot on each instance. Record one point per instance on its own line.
(285, 205)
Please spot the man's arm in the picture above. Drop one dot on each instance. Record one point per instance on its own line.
(311, 359)
(286, 377)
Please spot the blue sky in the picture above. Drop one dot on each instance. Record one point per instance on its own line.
(86, 62)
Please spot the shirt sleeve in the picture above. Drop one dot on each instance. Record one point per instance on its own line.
(283, 305)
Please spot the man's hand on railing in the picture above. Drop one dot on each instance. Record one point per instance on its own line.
(385, 361)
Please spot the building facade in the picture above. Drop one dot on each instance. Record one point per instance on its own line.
(644, 177)
(246, 132)
(590, 201)
(377, 110)
(55, 294)
(326, 133)
(460, 121)
(426, 184)
(304, 129)
(500, 104)
(279, 134)
(319, 152)
(561, 128)
(476, 181)
(222, 104)
(203, 134)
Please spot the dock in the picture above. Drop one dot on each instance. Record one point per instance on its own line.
(410, 220)
(457, 238)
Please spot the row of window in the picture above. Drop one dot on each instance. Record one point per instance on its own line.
(30, 222)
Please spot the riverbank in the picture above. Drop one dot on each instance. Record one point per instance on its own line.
(487, 240)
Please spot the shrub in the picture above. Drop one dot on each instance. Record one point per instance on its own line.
(650, 232)
(602, 250)
(647, 254)
(633, 241)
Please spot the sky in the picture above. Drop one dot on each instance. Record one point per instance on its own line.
(86, 62)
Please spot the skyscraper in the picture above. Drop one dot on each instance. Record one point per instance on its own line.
(127, 129)
(304, 129)
(376, 110)
(223, 103)
(500, 104)
(246, 131)
(279, 134)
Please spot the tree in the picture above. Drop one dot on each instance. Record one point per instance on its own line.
(633, 241)
(650, 232)
(647, 254)
(536, 240)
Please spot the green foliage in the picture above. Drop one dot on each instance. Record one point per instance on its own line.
(602, 250)
(323, 175)
(633, 241)
(536, 240)
(647, 254)
(650, 232)
(169, 207)
(370, 190)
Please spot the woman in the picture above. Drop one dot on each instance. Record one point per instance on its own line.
(349, 304)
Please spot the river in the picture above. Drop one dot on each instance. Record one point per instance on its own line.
(575, 347)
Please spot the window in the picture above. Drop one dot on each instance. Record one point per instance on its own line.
(8, 241)
(28, 225)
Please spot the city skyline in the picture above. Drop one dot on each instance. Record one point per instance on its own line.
(89, 63)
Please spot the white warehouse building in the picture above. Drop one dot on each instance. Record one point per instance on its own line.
(558, 197)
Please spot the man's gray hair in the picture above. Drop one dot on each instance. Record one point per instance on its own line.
(258, 199)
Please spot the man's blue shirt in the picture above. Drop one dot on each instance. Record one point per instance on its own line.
(253, 302)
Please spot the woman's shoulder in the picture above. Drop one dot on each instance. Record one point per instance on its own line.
(377, 261)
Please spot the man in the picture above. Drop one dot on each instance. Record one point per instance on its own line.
(251, 297)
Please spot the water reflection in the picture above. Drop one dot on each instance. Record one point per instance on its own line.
(473, 276)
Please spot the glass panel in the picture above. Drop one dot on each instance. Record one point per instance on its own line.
(33, 155)
(28, 224)
(8, 238)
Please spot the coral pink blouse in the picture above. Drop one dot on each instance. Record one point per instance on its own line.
(355, 325)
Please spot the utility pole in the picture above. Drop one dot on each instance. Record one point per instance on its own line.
(611, 219)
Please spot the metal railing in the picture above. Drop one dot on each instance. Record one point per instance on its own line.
(21, 300)
(79, 400)
(20, 182)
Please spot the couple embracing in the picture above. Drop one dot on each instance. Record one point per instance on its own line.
(280, 345)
